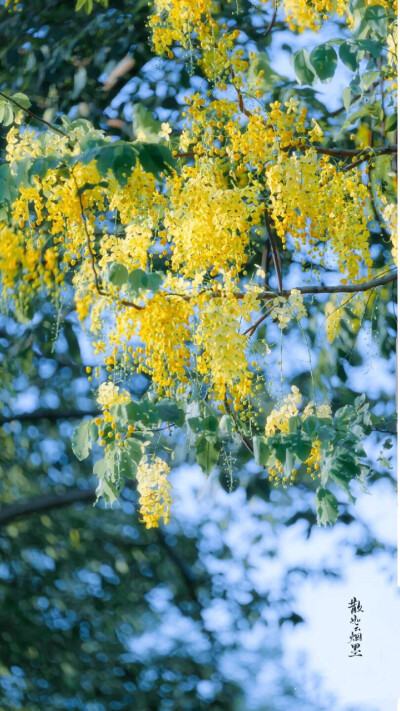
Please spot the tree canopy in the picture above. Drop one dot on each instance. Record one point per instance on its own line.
(177, 246)
(197, 267)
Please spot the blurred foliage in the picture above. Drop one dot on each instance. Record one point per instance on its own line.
(78, 583)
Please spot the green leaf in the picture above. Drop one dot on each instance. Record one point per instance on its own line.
(226, 426)
(348, 54)
(327, 507)
(41, 166)
(388, 443)
(209, 424)
(144, 122)
(100, 468)
(80, 79)
(294, 423)
(81, 440)
(302, 447)
(154, 281)
(342, 480)
(120, 157)
(368, 45)
(110, 491)
(6, 113)
(91, 186)
(207, 453)
(138, 280)
(127, 463)
(376, 18)
(279, 445)
(135, 449)
(368, 79)
(305, 73)
(143, 411)
(86, 5)
(346, 95)
(310, 424)
(22, 99)
(73, 342)
(324, 61)
(168, 411)
(118, 274)
(229, 481)
(8, 191)
(262, 450)
(391, 123)
(155, 158)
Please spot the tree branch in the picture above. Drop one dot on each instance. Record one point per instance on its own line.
(349, 152)
(34, 116)
(273, 18)
(274, 250)
(44, 503)
(343, 288)
(47, 414)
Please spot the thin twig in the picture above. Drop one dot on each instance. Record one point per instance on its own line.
(243, 437)
(254, 327)
(47, 414)
(276, 258)
(271, 24)
(35, 116)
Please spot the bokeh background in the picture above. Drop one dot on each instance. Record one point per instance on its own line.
(241, 603)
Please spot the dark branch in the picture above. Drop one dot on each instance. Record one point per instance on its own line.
(35, 116)
(344, 288)
(48, 415)
(45, 503)
(273, 18)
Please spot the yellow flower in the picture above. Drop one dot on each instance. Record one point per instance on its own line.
(154, 491)
(109, 395)
(165, 131)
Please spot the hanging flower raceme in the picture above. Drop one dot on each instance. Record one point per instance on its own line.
(154, 491)
(208, 222)
(279, 421)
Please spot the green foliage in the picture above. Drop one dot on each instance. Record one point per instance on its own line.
(82, 439)
(323, 59)
(207, 452)
(139, 280)
(144, 123)
(118, 274)
(375, 19)
(327, 507)
(87, 5)
(305, 73)
(348, 53)
(8, 109)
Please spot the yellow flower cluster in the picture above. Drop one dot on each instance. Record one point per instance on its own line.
(191, 233)
(321, 207)
(223, 349)
(154, 490)
(356, 308)
(191, 24)
(333, 315)
(163, 326)
(179, 20)
(278, 421)
(389, 215)
(209, 223)
(303, 14)
(109, 395)
(285, 309)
